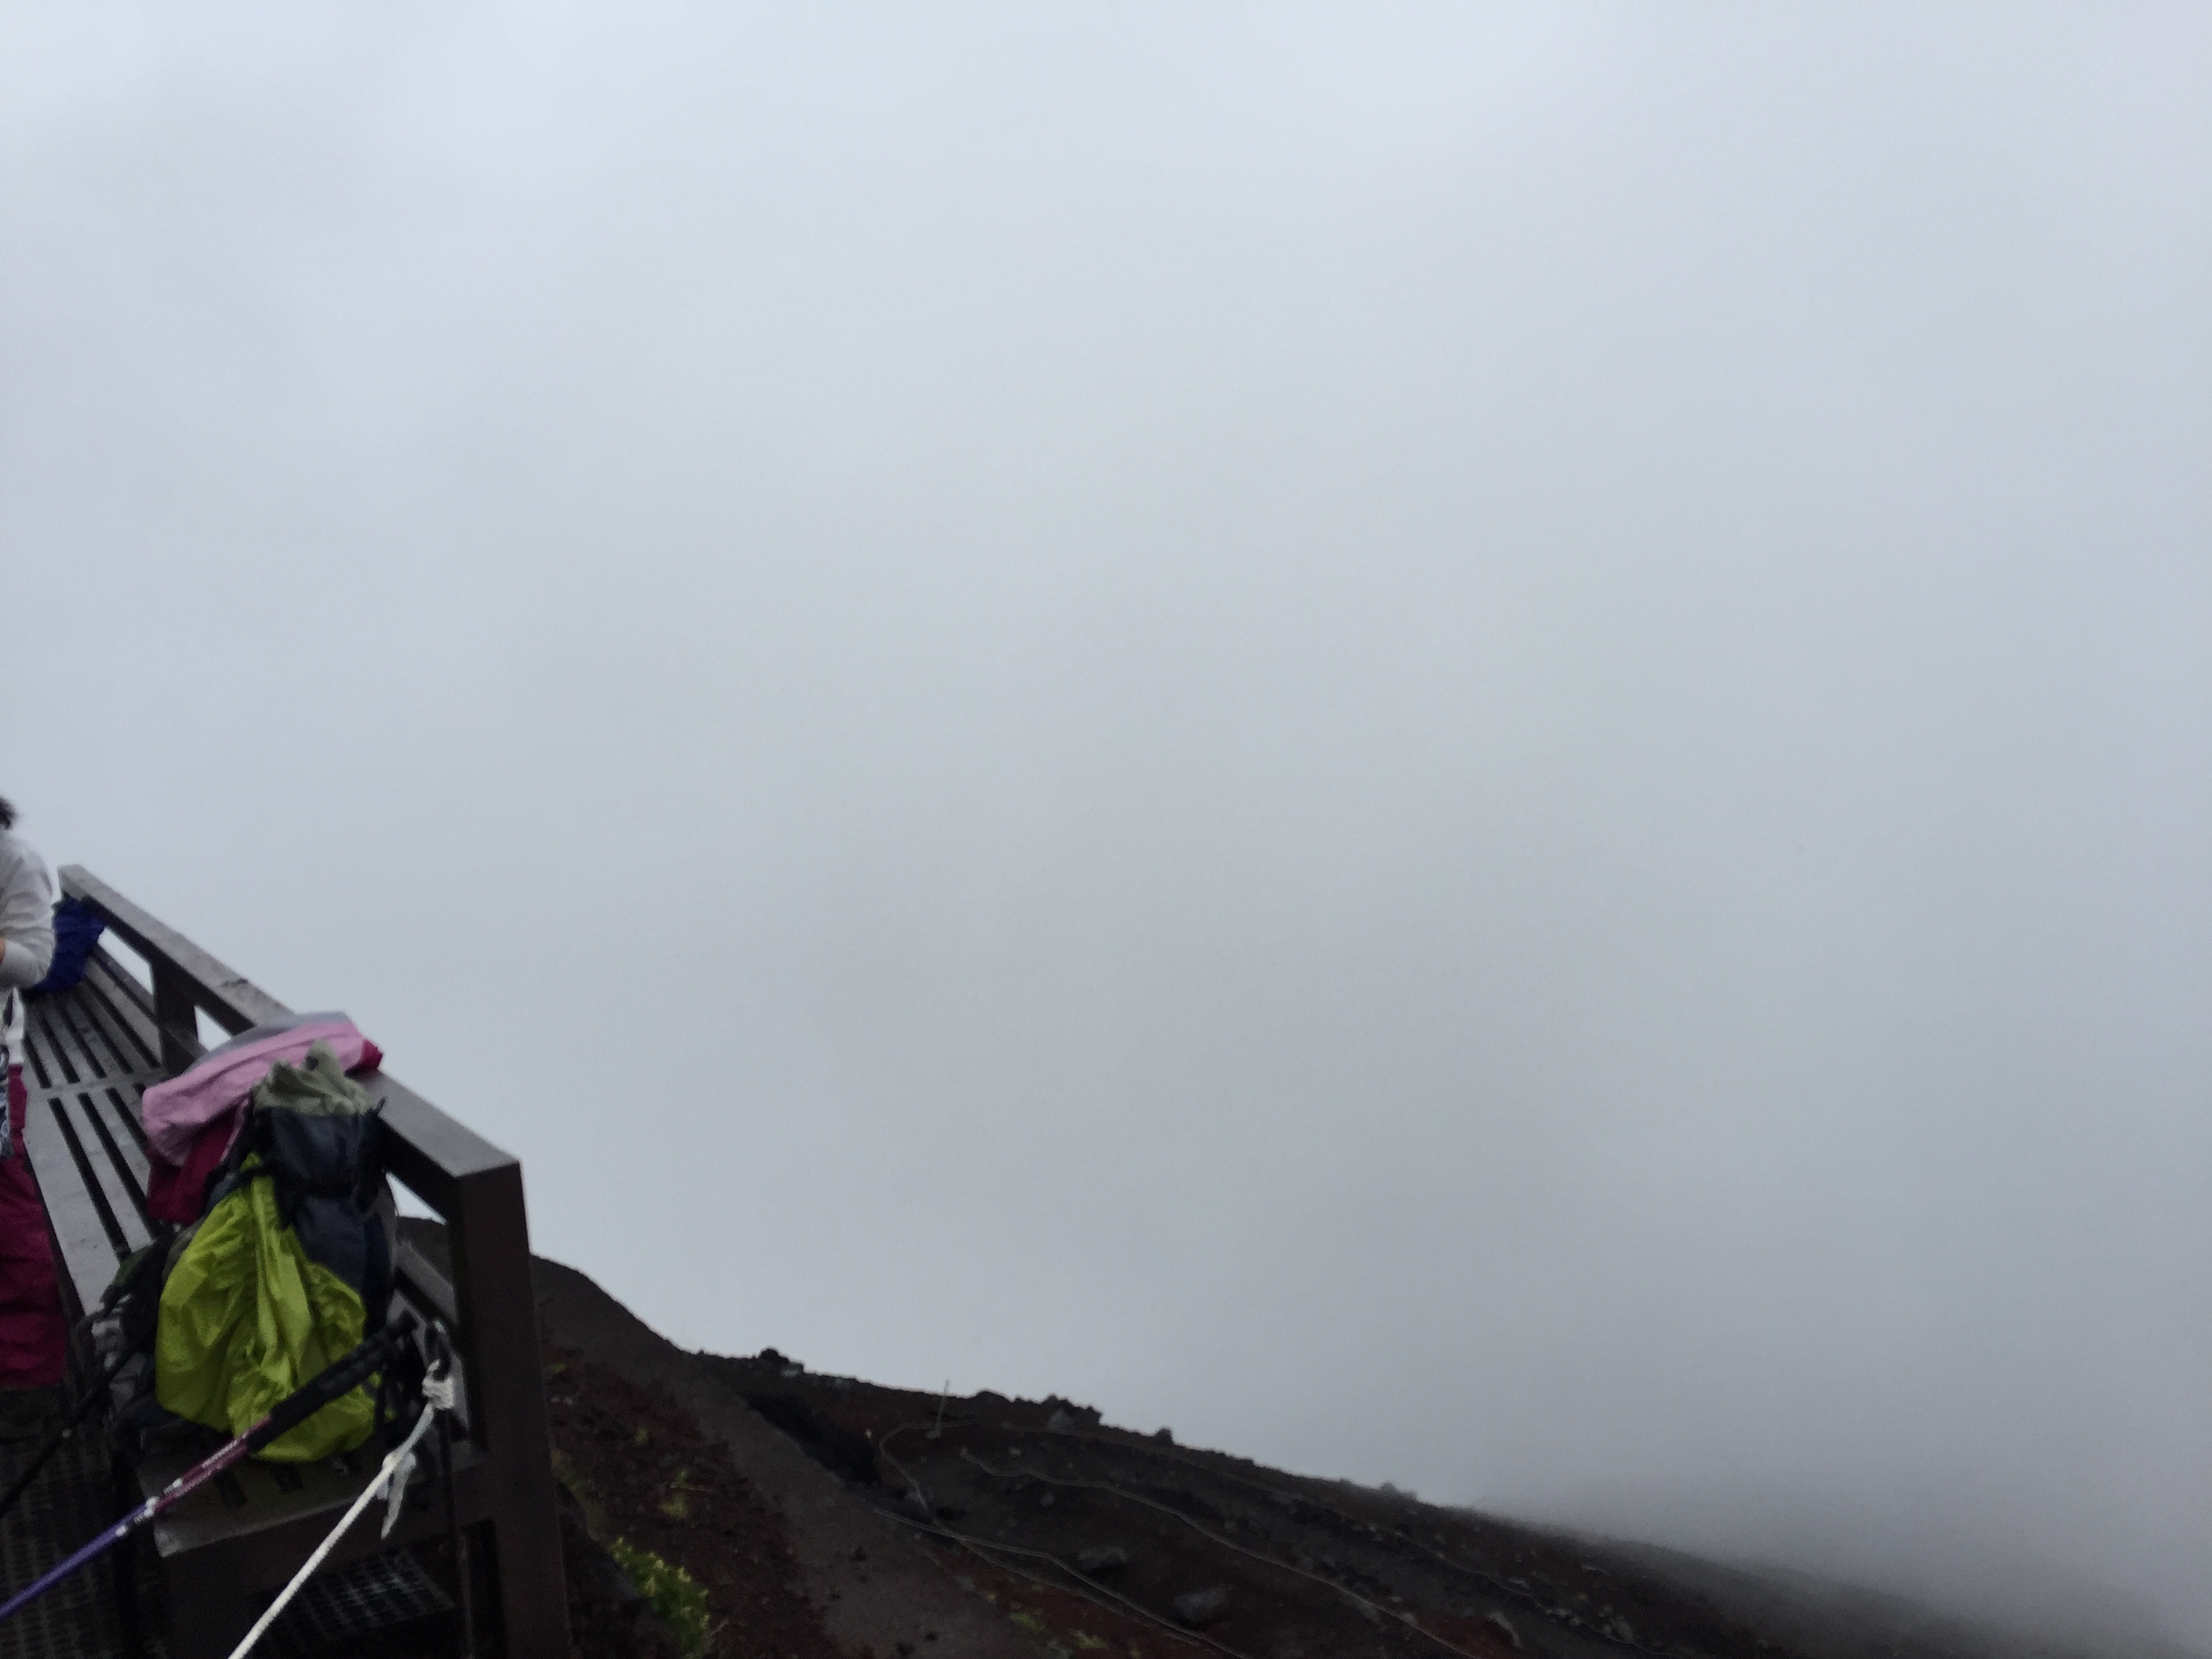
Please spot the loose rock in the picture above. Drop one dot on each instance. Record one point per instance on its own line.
(1202, 1607)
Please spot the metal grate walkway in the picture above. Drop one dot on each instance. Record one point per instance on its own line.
(69, 1502)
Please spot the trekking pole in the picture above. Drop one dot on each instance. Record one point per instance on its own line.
(339, 1378)
(398, 1468)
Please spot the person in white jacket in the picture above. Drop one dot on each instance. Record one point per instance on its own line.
(32, 1332)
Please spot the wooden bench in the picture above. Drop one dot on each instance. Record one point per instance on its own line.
(91, 1051)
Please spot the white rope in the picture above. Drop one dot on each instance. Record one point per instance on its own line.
(438, 1395)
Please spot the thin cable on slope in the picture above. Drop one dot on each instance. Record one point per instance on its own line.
(1380, 1611)
(1104, 1597)
(1091, 1590)
(1502, 1587)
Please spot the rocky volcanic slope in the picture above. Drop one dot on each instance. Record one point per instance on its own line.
(827, 1518)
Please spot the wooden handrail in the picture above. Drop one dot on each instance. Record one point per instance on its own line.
(477, 1189)
(232, 1001)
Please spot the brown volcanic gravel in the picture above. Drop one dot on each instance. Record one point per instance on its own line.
(644, 1472)
(1286, 1567)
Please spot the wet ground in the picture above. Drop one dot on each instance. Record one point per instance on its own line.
(827, 1515)
(1095, 1537)
(867, 1520)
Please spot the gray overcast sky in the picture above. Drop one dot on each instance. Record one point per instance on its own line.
(1463, 746)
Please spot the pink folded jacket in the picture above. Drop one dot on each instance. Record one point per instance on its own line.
(176, 1111)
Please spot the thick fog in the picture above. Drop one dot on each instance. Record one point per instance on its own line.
(1460, 746)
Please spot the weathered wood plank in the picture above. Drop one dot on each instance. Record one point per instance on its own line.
(82, 1244)
(130, 1003)
(67, 1031)
(432, 1153)
(101, 1032)
(126, 1190)
(49, 1055)
(117, 1108)
(326, 1487)
(505, 1381)
(233, 1001)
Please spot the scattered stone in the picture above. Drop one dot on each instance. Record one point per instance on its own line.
(1200, 1608)
(1506, 1625)
(1104, 1559)
(1164, 1437)
(1620, 1630)
(1078, 1417)
(1059, 1422)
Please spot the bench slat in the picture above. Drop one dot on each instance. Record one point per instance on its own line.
(117, 1108)
(117, 1216)
(86, 1253)
(323, 1489)
(100, 1029)
(130, 1003)
(49, 1066)
(66, 1030)
(125, 1195)
(66, 1043)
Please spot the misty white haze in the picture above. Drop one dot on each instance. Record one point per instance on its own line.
(1463, 747)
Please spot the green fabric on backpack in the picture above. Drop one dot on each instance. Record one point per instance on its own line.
(286, 1272)
(247, 1318)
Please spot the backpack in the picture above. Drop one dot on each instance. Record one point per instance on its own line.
(289, 1269)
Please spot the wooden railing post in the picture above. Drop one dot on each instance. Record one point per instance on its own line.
(176, 1010)
(489, 1235)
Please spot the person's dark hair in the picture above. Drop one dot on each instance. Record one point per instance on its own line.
(7, 813)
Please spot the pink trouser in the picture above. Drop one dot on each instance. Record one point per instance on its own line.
(33, 1337)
